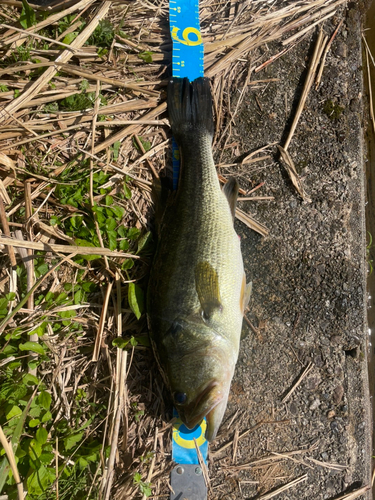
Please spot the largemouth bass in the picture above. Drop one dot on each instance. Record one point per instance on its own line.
(197, 291)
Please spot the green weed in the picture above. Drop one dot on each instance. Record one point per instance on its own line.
(78, 102)
(103, 35)
(144, 487)
(368, 253)
(146, 56)
(28, 17)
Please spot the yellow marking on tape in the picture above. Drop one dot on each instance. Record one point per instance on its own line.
(187, 443)
(185, 36)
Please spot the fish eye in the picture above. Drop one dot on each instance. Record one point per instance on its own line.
(180, 398)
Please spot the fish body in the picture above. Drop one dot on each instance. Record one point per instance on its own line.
(197, 289)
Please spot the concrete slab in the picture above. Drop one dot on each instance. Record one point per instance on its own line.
(309, 287)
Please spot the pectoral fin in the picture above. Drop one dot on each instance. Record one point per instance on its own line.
(207, 287)
(230, 190)
(245, 294)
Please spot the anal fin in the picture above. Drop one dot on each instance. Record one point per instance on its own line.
(246, 289)
(230, 190)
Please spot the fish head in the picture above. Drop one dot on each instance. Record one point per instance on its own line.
(209, 402)
(200, 377)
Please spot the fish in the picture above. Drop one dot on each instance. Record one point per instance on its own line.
(197, 291)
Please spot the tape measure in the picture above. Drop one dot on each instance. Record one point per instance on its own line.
(187, 480)
(187, 61)
(187, 52)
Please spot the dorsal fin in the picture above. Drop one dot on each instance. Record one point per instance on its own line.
(230, 190)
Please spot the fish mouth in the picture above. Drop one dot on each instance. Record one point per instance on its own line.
(193, 413)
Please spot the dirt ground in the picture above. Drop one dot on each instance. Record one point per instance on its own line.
(308, 307)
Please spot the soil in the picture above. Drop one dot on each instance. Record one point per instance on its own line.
(309, 287)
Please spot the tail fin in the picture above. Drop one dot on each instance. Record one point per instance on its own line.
(190, 107)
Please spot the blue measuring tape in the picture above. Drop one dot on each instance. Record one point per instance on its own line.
(183, 444)
(187, 61)
(187, 55)
(187, 52)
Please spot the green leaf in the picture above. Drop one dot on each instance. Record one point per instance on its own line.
(3, 313)
(124, 245)
(29, 379)
(47, 417)
(146, 144)
(4, 303)
(116, 150)
(27, 18)
(70, 441)
(122, 231)
(133, 342)
(112, 240)
(89, 286)
(137, 478)
(144, 241)
(146, 56)
(78, 296)
(32, 346)
(61, 298)
(54, 221)
(82, 463)
(40, 330)
(120, 343)
(128, 264)
(40, 480)
(118, 211)
(108, 211)
(12, 411)
(35, 449)
(145, 488)
(84, 85)
(102, 51)
(35, 412)
(136, 299)
(34, 422)
(70, 37)
(41, 435)
(108, 199)
(44, 399)
(110, 224)
(67, 314)
(16, 436)
(46, 458)
(42, 269)
(127, 192)
(133, 233)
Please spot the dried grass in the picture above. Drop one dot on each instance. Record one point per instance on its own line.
(38, 142)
